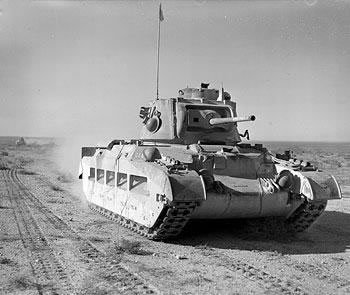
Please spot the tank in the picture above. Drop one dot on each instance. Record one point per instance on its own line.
(190, 163)
(20, 141)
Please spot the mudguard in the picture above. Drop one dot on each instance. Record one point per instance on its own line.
(323, 186)
(314, 185)
(187, 186)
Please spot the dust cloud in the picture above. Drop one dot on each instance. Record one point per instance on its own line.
(67, 153)
(67, 156)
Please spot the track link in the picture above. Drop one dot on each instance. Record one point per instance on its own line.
(169, 224)
(305, 215)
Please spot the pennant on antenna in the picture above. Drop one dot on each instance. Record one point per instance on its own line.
(161, 15)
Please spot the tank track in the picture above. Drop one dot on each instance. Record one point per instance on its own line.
(169, 224)
(305, 215)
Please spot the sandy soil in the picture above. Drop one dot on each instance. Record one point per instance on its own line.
(51, 243)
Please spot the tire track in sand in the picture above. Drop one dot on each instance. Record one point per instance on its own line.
(50, 275)
(115, 277)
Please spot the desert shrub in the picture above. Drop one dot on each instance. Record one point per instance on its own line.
(4, 260)
(96, 239)
(27, 172)
(22, 161)
(56, 188)
(65, 177)
(130, 247)
(56, 201)
(3, 166)
(23, 283)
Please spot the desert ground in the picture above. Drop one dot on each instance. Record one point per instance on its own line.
(52, 243)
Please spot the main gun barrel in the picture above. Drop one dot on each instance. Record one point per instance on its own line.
(216, 121)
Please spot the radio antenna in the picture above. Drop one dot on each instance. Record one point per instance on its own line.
(160, 19)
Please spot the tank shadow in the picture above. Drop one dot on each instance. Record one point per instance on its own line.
(330, 234)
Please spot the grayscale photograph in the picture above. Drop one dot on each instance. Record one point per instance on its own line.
(174, 147)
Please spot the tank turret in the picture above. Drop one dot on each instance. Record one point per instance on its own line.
(195, 115)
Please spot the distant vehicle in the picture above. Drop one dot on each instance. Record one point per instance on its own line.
(20, 141)
(190, 164)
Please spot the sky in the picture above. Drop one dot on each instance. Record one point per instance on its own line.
(84, 68)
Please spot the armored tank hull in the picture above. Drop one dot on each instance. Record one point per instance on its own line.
(155, 188)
